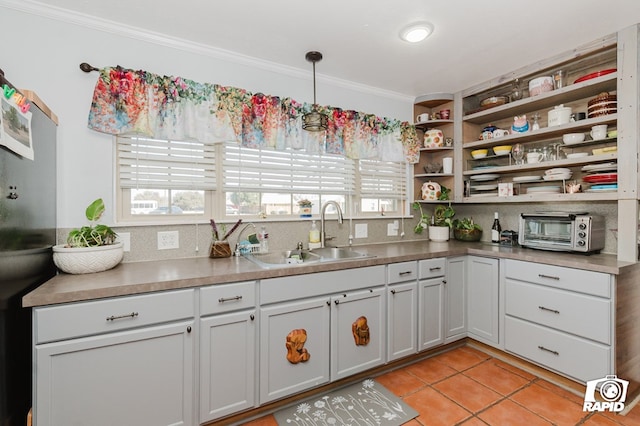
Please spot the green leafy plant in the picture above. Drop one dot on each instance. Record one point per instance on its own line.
(466, 223)
(466, 230)
(442, 216)
(92, 235)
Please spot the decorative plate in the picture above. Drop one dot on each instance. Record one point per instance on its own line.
(595, 74)
(481, 178)
(601, 178)
(602, 167)
(527, 178)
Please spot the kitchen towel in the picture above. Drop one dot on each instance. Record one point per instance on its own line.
(365, 403)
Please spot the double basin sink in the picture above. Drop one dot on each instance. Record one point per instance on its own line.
(305, 257)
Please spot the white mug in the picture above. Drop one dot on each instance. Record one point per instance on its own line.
(424, 117)
(498, 133)
(534, 157)
(447, 165)
(598, 132)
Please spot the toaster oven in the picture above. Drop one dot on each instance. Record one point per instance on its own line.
(562, 231)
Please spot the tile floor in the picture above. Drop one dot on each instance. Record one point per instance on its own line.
(468, 387)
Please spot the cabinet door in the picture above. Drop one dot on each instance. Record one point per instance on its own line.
(402, 318)
(227, 364)
(294, 347)
(136, 377)
(358, 334)
(430, 328)
(455, 299)
(482, 291)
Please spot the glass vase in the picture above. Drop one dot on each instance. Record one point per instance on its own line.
(220, 249)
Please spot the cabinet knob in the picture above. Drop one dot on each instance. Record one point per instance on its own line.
(444, 281)
(337, 302)
(393, 292)
(188, 329)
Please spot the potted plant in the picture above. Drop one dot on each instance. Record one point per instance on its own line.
(91, 248)
(466, 230)
(439, 223)
(305, 208)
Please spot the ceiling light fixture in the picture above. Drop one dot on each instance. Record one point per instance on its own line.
(416, 32)
(314, 121)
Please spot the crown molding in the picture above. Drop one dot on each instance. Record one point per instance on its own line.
(104, 25)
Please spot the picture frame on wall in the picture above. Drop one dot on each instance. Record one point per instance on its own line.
(15, 128)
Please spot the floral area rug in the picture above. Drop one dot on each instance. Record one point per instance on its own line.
(363, 404)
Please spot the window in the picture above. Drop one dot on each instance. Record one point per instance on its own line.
(167, 178)
(183, 180)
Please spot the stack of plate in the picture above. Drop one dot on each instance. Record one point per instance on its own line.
(604, 179)
(603, 104)
(544, 190)
(557, 174)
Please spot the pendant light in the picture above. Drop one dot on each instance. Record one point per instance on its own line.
(314, 121)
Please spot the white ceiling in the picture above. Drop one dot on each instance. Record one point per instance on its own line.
(473, 40)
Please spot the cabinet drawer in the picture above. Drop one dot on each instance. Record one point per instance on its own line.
(576, 313)
(402, 272)
(431, 268)
(274, 290)
(227, 297)
(104, 316)
(570, 355)
(589, 282)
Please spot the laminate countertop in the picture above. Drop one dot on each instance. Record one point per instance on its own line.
(144, 277)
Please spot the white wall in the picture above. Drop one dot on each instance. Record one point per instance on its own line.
(42, 53)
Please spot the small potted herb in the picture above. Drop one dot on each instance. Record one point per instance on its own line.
(466, 230)
(439, 223)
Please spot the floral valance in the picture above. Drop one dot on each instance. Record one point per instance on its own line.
(129, 102)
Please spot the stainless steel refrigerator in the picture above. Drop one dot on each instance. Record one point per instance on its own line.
(27, 233)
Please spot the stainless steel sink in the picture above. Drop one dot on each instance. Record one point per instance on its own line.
(305, 257)
(284, 258)
(339, 253)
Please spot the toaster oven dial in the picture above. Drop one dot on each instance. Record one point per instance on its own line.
(582, 225)
(582, 234)
(581, 243)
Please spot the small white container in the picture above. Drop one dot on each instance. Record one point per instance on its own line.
(559, 115)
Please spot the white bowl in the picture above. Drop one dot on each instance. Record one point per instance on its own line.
(87, 260)
(570, 138)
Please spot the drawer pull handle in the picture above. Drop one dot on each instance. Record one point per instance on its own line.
(444, 281)
(542, 308)
(542, 348)
(229, 299)
(551, 277)
(435, 268)
(117, 317)
(393, 292)
(405, 273)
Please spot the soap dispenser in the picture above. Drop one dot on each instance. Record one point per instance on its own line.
(263, 236)
(314, 236)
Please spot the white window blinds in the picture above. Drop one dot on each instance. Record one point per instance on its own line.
(380, 179)
(163, 164)
(265, 170)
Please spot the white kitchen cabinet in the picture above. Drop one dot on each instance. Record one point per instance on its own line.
(561, 318)
(482, 295)
(227, 349)
(298, 331)
(297, 312)
(129, 376)
(402, 310)
(358, 332)
(431, 302)
(455, 299)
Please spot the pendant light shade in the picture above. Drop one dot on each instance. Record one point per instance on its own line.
(314, 121)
